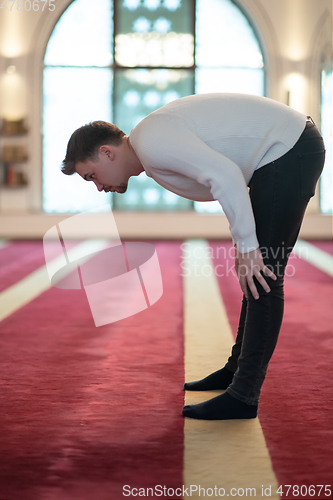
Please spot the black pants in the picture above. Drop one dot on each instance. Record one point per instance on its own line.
(279, 192)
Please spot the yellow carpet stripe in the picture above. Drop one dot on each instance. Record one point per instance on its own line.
(222, 454)
(315, 256)
(37, 282)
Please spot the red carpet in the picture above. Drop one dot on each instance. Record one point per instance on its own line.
(86, 410)
(326, 246)
(297, 398)
(21, 258)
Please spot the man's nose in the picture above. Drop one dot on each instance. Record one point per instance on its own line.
(99, 186)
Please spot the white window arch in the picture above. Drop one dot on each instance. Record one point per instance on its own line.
(121, 60)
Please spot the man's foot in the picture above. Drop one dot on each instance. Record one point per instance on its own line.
(223, 407)
(219, 380)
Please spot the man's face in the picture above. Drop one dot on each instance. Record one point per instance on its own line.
(106, 172)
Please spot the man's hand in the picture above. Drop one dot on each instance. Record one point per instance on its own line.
(249, 265)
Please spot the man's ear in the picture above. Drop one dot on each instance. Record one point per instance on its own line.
(107, 151)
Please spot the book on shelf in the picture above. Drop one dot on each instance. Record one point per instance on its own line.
(13, 127)
(12, 177)
(14, 153)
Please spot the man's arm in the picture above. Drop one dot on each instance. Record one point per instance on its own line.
(175, 147)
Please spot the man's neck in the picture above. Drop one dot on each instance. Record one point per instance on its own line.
(135, 166)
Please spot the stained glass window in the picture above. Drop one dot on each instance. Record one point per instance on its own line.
(121, 60)
(154, 33)
(138, 92)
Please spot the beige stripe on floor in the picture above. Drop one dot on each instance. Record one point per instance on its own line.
(315, 256)
(4, 243)
(24, 291)
(222, 454)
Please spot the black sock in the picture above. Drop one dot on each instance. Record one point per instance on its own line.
(223, 407)
(219, 380)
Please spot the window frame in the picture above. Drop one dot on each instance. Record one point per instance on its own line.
(114, 67)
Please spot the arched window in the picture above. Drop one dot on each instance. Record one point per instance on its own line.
(326, 180)
(120, 60)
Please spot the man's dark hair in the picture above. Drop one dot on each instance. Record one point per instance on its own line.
(86, 141)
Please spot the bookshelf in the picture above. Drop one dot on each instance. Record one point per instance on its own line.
(14, 158)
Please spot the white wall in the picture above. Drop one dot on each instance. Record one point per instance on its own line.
(295, 36)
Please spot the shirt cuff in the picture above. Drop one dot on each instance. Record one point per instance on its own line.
(247, 244)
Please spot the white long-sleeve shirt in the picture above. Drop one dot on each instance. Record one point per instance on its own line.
(207, 147)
